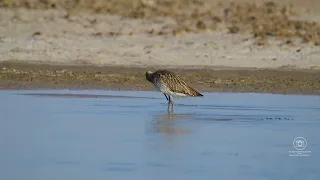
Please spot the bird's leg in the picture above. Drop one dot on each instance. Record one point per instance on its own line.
(169, 102)
(172, 102)
(166, 96)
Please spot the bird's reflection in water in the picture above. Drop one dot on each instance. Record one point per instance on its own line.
(167, 123)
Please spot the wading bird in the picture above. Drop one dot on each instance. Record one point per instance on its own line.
(170, 85)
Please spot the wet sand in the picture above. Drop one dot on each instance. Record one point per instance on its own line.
(45, 76)
(236, 47)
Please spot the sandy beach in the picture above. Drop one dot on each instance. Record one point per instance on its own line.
(242, 47)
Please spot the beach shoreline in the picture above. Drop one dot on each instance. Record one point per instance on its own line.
(22, 76)
(235, 46)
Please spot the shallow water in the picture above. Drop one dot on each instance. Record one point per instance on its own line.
(64, 134)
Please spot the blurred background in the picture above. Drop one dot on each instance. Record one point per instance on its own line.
(261, 17)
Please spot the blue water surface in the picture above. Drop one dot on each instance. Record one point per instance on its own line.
(95, 135)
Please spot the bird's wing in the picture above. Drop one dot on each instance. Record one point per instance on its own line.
(176, 84)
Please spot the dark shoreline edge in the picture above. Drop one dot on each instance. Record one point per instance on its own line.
(16, 75)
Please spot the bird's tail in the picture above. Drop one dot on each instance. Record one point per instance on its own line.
(194, 92)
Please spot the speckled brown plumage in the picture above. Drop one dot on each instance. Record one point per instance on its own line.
(171, 85)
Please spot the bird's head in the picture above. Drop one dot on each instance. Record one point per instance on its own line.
(149, 75)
